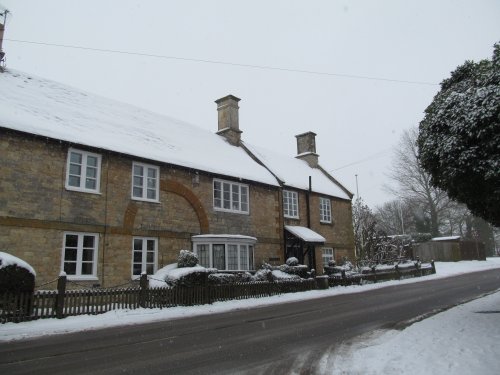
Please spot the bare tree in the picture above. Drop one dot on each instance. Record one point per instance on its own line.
(395, 217)
(413, 183)
(364, 229)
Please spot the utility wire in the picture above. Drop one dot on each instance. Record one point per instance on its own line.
(368, 158)
(262, 67)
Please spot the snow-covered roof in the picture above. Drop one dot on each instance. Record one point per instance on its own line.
(50, 109)
(449, 238)
(295, 172)
(305, 234)
(10, 260)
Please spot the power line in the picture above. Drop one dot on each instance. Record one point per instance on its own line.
(262, 67)
(368, 158)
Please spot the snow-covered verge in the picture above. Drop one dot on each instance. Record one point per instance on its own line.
(462, 340)
(43, 327)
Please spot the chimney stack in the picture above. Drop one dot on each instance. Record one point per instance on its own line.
(229, 127)
(306, 148)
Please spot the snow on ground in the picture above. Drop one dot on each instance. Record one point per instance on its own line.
(463, 340)
(43, 327)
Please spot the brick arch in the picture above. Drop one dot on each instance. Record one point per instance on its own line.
(179, 189)
(176, 188)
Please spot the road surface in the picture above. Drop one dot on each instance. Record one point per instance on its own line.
(278, 339)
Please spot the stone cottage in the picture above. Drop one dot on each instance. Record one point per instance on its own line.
(104, 191)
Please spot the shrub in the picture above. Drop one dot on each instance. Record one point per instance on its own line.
(16, 276)
(187, 259)
(292, 261)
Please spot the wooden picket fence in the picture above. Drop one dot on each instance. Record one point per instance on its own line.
(63, 303)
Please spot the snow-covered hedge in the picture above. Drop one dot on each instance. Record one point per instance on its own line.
(292, 261)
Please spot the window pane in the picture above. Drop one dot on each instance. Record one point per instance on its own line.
(90, 184)
(152, 173)
(244, 198)
(87, 268)
(87, 255)
(243, 257)
(137, 269)
(232, 257)
(138, 170)
(150, 269)
(137, 192)
(137, 257)
(76, 158)
(226, 193)
(236, 197)
(151, 244)
(150, 258)
(70, 254)
(219, 257)
(151, 194)
(74, 181)
(151, 183)
(88, 241)
(70, 268)
(250, 258)
(137, 244)
(92, 161)
(71, 240)
(137, 181)
(75, 169)
(91, 172)
(203, 256)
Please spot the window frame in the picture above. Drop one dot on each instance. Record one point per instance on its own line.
(83, 166)
(231, 195)
(144, 253)
(79, 256)
(245, 245)
(144, 186)
(325, 210)
(293, 196)
(329, 256)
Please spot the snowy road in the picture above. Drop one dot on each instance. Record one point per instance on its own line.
(279, 339)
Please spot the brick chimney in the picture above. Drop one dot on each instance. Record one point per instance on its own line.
(229, 127)
(306, 148)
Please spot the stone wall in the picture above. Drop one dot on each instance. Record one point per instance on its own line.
(36, 210)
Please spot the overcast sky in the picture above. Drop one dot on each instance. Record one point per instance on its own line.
(403, 49)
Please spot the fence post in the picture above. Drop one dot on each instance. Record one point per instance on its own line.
(398, 274)
(143, 284)
(374, 274)
(433, 266)
(61, 293)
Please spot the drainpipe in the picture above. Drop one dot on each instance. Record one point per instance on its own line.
(308, 196)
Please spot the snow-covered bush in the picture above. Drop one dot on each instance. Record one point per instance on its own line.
(292, 261)
(171, 276)
(280, 275)
(16, 275)
(264, 274)
(187, 259)
(300, 270)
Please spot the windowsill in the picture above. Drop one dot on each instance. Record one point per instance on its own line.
(82, 278)
(325, 222)
(145, 200)
(292, 217)
(231, 211)
(78, 190)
